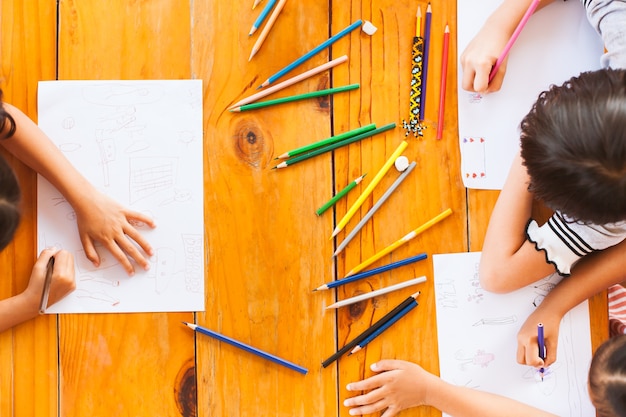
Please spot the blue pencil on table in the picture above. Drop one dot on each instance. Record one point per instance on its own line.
(371, 272)
(428, 19)
(246, 347)
(542, 346)
(385, 326)
(312, 52)
(259, 20)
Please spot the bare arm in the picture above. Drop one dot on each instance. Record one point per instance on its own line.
(592, 274)
(401, 385)
(25, 306)
(100, 219)
(508, 260)
(482, 52)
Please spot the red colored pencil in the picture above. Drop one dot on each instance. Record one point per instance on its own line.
(444, 76)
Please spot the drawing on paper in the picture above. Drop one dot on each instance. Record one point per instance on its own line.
(478, 340)
(139, 142)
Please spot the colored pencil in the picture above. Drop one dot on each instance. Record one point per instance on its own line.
(312, 52)
(246, 347)
(374, 208)
(381, 173)
(334, 146)
(376, 293)
(542, 346)
(43, 305)
(329, 141)
(291, 81)
(531, 8)
(400, 242)
(267, 28)
(256, 3)
(259, 20)
(427, 24)
(339, 195)
(351, 344)
(444, 79)
(369, 273)
(384, 327)
(312, 94)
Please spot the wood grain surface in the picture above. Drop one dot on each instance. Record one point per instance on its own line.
(265, 248)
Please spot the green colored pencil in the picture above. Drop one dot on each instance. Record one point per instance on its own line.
(328, 141)
(340, 194)
(311, 94)
(336, 145)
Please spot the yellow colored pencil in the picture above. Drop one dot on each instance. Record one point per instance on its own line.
(381, 173)
(399, 242)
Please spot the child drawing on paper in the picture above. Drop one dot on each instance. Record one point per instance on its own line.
(398, 385)
(100, 219)
(607, 17)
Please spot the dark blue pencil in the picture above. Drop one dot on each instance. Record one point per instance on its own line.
(371, 272)
(246, 347)
(385, 326)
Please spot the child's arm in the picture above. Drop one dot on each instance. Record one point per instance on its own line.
(401, 385)
(25, 306)
(483, 51)
(508, 260)
(592, 274)
(99, 218)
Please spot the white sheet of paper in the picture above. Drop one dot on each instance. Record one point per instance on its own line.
(477, 333)
(557, 43)
(139, 142)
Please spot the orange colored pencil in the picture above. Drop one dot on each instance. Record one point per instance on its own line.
(444, 77)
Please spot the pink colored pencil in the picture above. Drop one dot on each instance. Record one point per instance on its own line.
(291, 81)
(444, 76)
(518, 30)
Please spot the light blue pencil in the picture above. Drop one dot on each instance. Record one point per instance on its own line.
(245, 347)
(312, 52)
(385, 326)
(259, 20)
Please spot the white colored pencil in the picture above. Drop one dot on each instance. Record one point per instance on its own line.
(376, 293)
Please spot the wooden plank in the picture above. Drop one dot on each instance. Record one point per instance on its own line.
(118, 364)
(28, 353)
(383, 64)
(266, 247)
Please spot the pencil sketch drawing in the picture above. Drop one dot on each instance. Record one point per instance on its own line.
(139, 142)
(478, 339)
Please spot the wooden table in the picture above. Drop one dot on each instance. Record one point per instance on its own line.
(265, 247)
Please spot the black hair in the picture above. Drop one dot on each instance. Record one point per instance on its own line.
(9, 186)
(573, 144)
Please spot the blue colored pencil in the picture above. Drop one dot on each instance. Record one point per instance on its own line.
(384, 327)
(312, 52)
(371, 272)
(259, 20)
(246, 347)
(429, 14)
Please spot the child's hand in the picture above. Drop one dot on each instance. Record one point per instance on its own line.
(102, 219)
(479, 57)
(399, 386)
(527, 346)
(62, 283)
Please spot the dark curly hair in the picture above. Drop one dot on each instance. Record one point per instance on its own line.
(9, 186)
(573, 144)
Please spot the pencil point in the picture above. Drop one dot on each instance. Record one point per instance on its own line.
(252, 30)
